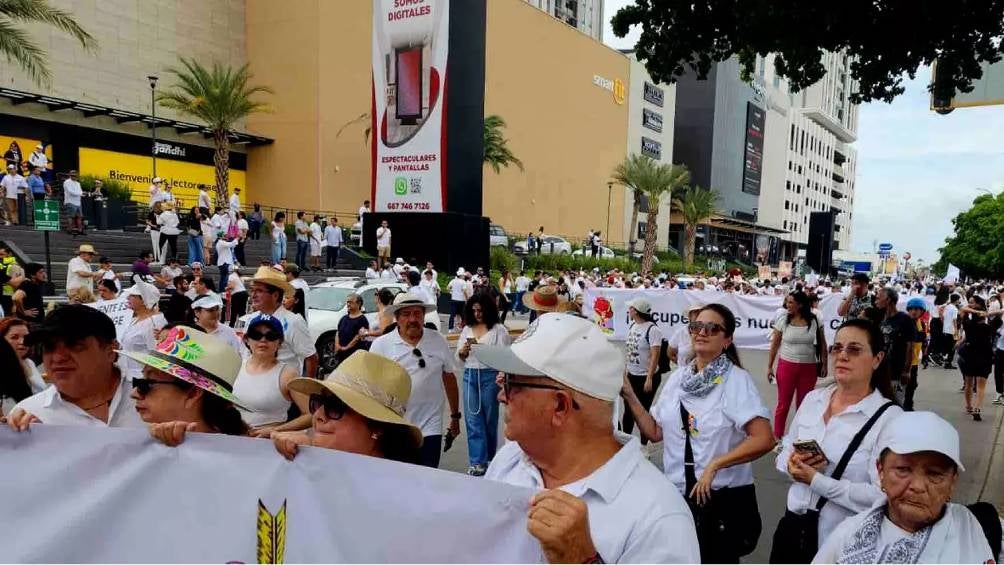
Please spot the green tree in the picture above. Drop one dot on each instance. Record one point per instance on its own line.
(219, 97)
(497, 152)
(885, 39)
(977, 246)
(16, 44)
(654, 181)
(629, 173)
(696, 205)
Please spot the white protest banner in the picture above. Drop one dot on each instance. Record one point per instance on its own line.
(952, 276)
(90, 495)
(118, 310)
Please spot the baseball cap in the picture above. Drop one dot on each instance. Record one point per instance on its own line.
(569, 349)
(399, 261)
(270, 321)
(912, 432)
(208, 300)
(76, 322)
(196, 264)
(916, 302)
(639, 304)
(10, 167)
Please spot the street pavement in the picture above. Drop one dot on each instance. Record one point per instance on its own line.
(981, 443)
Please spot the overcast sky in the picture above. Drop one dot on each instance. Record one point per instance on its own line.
(916, 169)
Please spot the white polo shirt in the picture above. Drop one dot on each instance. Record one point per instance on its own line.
(50, 408)
(73, 280)
(635, 514)
(428, 397)
(717, 420)
(297, 344)
(858, 488)
(457, 289)
(383, 237)
(11, 183)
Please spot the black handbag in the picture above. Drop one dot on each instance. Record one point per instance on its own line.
(796, 539)
(728, 525)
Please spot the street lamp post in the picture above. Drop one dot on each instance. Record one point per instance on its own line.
(153, 121)
(610, 188)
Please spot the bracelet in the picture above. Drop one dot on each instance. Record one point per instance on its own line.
(455, 416)
(596, 558)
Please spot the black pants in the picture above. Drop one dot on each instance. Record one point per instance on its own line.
(172, 246)
(911, 388)
(948, 347)
(999, 370)
(238, 306)
(596, 250)
(331, 257)
(432, 449)
(239, 254)
(646, 398)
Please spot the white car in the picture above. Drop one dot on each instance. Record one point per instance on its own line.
(605, 253)
(326, 308)
(497, 236)
(552, 244)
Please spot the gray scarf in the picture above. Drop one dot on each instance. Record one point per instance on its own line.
(864, 545)
(699, 383)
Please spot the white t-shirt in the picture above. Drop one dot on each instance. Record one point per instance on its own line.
(641, 338)
(383, 237)
(428, 397)
(315, 233)
(798, 343)
(225, 251)
(235, 203)
(497, 336)
(718, 420)
(333, 236)
(38, 159)
(72, 192)
(72, 279)
(204, 201)
(168, 273)
(243, 226)
(371, 274)
(363, 210)
(457, 288)
(522, 283)
(431, 288)
(11, 183)
(299, 227)
(950, 317)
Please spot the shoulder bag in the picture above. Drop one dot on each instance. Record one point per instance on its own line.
(796, 539)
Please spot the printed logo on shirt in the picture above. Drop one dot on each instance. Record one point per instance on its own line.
(692, 421)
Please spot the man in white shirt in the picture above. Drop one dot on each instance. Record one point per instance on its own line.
(458, 297)
(415, 287)
(383, 241)
(599, 499)
(429, 267)
(431, 366)
(333, 243)
(78, 272)
(364, 209)
(302, 230)
(71, 202)
(220, 222)
(11, 184)
(235, 202)
(949, 329)
(79, 352)
(204, 201)
(38, 158)
(522, 284)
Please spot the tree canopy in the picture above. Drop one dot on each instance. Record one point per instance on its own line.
(16, 44)
(885, 39)
(977, 247)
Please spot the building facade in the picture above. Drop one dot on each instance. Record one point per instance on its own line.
(584, 15)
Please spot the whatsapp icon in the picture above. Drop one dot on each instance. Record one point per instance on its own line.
(400, 186)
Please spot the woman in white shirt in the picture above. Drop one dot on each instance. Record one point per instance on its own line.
(798, 338)
(168, 222)
(727, 425)
(642, 347)
(830, 418)
(913, 521)
(238, 295)
(315, 245)
(278, 235)
(140, 336)
(481, 413)
(225, 256)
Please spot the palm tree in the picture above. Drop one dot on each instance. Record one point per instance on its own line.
(627, 174)
(668, 179)
(17, 46)
(497, 152)
(219, 97)
(696, 205)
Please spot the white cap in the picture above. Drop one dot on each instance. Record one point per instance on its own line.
(208, 300)
(39, 146)
(640, 304)
(399, 261)
(912, 432)
(146, 291)
(460, 272)
(566, 348)
(157, 179)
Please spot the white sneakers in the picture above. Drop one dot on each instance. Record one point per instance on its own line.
(999, 400)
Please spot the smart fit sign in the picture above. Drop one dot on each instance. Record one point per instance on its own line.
(615, 86)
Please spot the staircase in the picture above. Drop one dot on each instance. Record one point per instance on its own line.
(123, 247)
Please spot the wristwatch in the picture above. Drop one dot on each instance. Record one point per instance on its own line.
(455, 416)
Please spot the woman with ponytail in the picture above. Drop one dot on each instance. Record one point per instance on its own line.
(727, 428)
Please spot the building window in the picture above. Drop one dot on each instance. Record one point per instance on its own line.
(786, 224)
(787, 205)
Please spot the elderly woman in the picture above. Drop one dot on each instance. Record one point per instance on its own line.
(713, 424)
(352, 329)
(914, 522)
(187, 386)
(832, 444)
(140, 336)
(359, 408)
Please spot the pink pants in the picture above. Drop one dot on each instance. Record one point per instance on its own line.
(792, 378)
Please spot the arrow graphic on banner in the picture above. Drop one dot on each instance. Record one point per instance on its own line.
(271, 534)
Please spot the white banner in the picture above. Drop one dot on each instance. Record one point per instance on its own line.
(755, 315)
(118, 310)
(87, 495)
(410, 51)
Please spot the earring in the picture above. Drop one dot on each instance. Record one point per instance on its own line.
(374, 436)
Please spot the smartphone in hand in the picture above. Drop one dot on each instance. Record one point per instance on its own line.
(810, 447)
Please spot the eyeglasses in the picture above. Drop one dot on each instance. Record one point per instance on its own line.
(421, 360)
(852, 349)
(707, 328)
(508, 385)
(144, 386)
(334, 408)
(255, 335)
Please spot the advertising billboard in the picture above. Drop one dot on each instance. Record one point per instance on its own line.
(410, 53)
(753, 158)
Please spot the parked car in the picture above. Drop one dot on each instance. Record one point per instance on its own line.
(605, 253)
(497, 236)
(552, 244)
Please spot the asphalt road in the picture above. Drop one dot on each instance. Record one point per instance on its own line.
(938, 392)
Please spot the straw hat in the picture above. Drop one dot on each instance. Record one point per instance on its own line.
(85, 248)
(408, 300)
(197, 358)
(167, 205)
(372, 385)
(274, 278)
(544, 298)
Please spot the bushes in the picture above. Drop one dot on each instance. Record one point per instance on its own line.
(501, 259)
(110, 187)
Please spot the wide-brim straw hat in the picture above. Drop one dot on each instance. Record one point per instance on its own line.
(544, 298)
(86, 248)
(270, 276)
(375, 387)
(408, 300)
(197, 358)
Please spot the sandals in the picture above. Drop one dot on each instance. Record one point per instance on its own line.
(976, 416)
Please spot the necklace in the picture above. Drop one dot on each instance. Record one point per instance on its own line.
(99, 405)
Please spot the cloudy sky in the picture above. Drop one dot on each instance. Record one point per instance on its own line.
(916, 169)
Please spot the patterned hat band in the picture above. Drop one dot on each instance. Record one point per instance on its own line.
(366, 388)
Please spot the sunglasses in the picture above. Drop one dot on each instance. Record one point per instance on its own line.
(334, 408)
(707, 328)
(255, 335)
(508, 385)
(421, 360)
(852, 350)
(144, 386)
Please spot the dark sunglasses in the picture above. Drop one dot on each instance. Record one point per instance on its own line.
(707, 328)
(256, 335)
(334, 408)
(508, 385)
(421, 360)
(144, 386)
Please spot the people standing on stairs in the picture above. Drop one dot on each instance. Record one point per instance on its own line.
(193, 225)
(170, 228)
(225, 245)
(235, 203)
(302, 231)
(153, 228)
(333, 244)
(316, 243)
(255, 220)
(12, 184)
(243, 227)
(278, 236)
(78, 272)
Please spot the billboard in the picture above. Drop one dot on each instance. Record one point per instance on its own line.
(410, 53)
(753, 158)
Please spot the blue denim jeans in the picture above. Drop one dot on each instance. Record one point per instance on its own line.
(302, 247)
(481, 414)
(195, 249)
(278, 250)
(517, 304)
